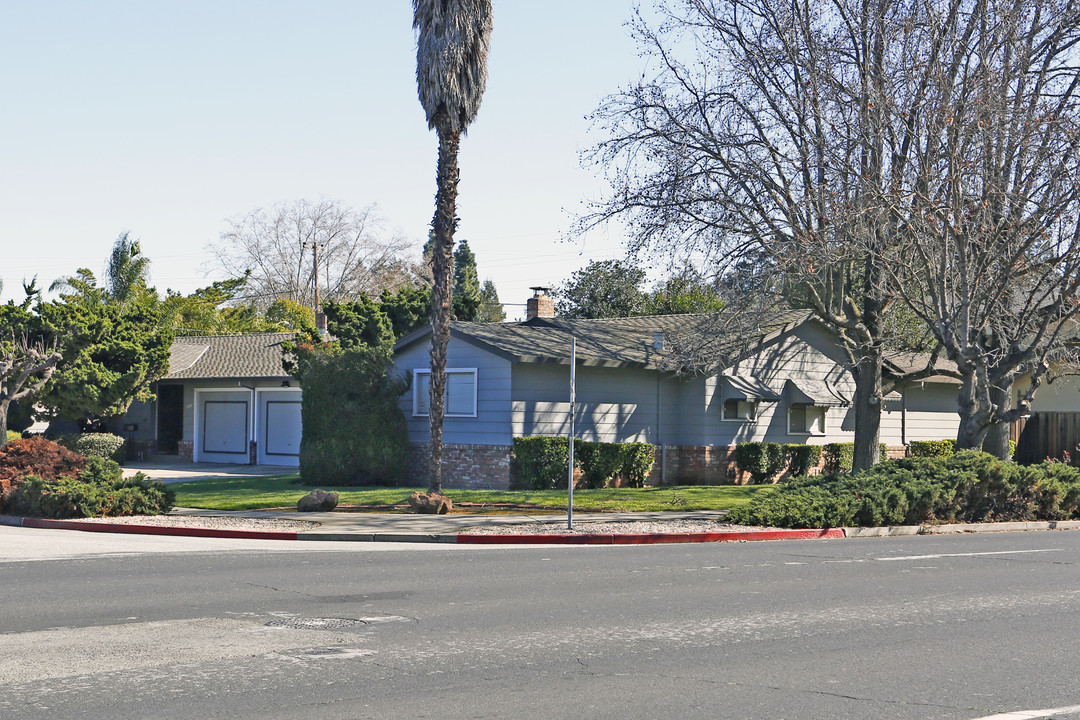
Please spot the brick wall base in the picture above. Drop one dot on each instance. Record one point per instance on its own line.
(491, 466)
(479, 467)
(186, 451)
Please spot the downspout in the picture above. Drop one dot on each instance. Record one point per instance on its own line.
(903, 416)
(252, 426)
(660, 429)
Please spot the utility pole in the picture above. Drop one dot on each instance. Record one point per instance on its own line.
(320, 318)
(314, 247)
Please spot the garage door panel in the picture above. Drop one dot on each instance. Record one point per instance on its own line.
(283, 428)
(225, 427)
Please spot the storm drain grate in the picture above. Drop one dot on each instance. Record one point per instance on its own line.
(301, 623)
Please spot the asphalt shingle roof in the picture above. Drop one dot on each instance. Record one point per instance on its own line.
(623, 342)
(256, 355)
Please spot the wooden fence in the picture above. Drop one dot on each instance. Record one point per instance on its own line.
(1046, 435)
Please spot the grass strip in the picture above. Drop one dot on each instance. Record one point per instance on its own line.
(250, 493)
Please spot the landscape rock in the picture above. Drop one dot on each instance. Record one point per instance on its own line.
(430, 504)
(317, 501)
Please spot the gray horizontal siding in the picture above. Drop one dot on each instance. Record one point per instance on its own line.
(612, 404)
(491, 426)
(807, 353)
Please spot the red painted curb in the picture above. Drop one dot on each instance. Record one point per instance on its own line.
(155, 529)
(646, 539)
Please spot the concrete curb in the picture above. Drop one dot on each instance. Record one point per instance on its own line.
(648, 538)
(555, 539)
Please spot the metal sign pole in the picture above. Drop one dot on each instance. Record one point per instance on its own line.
(570, 470)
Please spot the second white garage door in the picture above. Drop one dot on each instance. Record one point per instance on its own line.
(280, 427)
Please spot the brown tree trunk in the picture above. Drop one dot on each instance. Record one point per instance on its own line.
(996, 441)
(442, 267)
(973, 424)
(867, 402)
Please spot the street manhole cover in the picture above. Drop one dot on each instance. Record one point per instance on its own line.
(301, 623)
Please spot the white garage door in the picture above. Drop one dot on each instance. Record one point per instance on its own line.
(224, 431)
(281, 428)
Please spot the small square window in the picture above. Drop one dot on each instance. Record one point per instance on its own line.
(739, 410)
(459, 399)
(806, 420)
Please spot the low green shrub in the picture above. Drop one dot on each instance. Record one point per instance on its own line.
(969, 486)
(765, 460)
(931, 448)
(801, 458)
(839, 456)
(12, 435)
(942, 448)
(102, 445)
(599, 462)
(637, 463)
(762, 460)
(100, 490)
(542, 461)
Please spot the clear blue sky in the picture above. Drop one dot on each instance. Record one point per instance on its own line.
(164, 119)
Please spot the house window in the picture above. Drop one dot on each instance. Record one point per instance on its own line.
(806, 420)
(739, 410)
(460, 397)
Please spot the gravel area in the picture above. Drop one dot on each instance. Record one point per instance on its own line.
(586, 527)
(213, 523)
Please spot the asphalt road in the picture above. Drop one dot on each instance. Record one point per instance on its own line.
(99, 626)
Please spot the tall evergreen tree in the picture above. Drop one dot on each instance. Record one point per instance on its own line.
(466, 284)
(490, 310)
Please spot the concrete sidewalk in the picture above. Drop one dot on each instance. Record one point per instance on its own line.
(184, 471)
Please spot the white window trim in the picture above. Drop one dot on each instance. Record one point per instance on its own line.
(417, 372)
(824, 421)
(753, 411)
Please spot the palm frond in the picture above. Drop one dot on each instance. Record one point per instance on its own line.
(452, 45)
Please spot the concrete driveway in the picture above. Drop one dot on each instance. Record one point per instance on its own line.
(184, 472)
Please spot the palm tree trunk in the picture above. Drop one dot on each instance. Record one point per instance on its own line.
(442, 266)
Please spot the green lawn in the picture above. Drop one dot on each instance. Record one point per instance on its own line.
(284, 490)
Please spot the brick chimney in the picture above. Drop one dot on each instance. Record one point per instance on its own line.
(540, 304)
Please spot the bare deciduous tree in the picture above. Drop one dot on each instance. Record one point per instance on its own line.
(994, 261)
(812, 133)
(357, 254)
(769, 141)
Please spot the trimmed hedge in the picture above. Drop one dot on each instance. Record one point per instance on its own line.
(969, 486)
(764, 460)
(542, 462)
(599, 462)
(100, 490)
(932, 448)
(638, 461)
(941, 448)
(839, 456)
(802, 457)
(102, 445)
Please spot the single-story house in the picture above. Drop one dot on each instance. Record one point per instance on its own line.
(781, 379)
(225, 399)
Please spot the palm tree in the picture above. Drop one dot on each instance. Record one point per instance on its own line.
(127, 271)
(451, 72)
